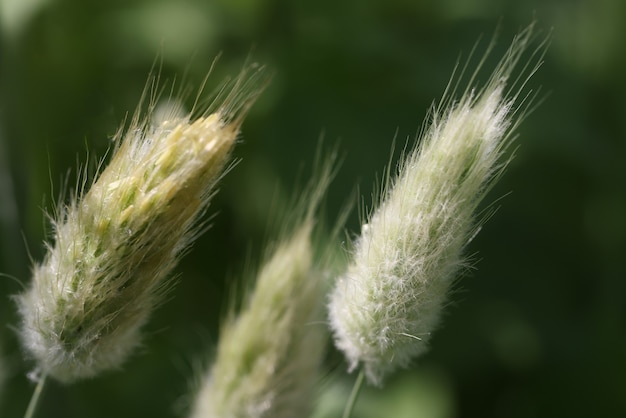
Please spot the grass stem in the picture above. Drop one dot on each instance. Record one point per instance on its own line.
(354, 395)
(34, 400)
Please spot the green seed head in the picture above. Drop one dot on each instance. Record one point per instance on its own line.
(268, 357)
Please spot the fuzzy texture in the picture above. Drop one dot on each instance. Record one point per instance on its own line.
(116, 245)
(389, 301)
(268, 359)
(269, 356)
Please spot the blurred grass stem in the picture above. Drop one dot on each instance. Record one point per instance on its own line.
(354, 395)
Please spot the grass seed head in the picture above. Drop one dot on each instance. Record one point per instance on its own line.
(385, 307)
(115, 246)
(269, 355)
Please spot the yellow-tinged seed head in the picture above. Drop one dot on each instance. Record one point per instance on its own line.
(115, 246)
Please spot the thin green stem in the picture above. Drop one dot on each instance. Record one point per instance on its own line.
(354, 395)
(34, 400)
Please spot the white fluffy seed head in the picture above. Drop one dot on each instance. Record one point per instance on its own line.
(115, 246)
(389, 301)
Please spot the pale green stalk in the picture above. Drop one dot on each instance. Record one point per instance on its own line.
(354, 395)
(34, 400)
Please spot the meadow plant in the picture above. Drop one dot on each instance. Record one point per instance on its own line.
(116, 243)
(269, 356)
(385, 307)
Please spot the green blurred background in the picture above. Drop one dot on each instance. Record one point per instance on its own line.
(537, 330)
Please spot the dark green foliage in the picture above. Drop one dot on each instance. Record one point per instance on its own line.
(540, 329)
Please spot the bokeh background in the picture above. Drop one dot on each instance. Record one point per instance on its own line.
(537, 330)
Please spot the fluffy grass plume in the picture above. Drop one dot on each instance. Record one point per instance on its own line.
(390, 299)
(269, 356)
(116, 244)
